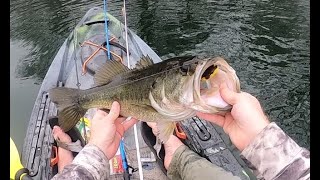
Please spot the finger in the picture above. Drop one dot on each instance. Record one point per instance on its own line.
(129, 123)
(214, 118)
(154, 127)
(99, 114)
(228, 120)
(229, 96)
(119, 120)
(54, 132)
(117, 139)
(152, 124)
(114, 111)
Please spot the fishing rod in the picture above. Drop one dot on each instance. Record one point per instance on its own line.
(126, 174)
(128, 62)
(126, 31)
(106, 28)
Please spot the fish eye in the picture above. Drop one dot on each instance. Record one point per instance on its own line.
(208, 72)
(184, 69)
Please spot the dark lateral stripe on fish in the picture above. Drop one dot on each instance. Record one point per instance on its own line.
(63, 96)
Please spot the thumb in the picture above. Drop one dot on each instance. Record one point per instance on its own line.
(114, 111)
(214, 118)
(227, 95)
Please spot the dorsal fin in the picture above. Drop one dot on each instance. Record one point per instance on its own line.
(144, 62)
(107, 71)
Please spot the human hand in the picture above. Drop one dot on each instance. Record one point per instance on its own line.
(107, 129)
(245, 121)
(170, 146)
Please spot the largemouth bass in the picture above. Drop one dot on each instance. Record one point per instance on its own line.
(166, 92)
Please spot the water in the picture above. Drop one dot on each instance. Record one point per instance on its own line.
(23, 92)
(267, 43)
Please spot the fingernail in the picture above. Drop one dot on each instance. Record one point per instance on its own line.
(128, 118)
(114, 103)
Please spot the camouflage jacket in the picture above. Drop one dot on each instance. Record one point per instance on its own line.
(274, 155)
(271, 155)
(90, 163)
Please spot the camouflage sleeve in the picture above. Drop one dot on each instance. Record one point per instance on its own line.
(90, 163)
(274, 155)
(188, 165)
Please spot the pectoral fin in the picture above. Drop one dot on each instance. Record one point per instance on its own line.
(69, 110)
(165, 129)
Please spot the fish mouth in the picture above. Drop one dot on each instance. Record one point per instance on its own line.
(208, 72)
(208, 76)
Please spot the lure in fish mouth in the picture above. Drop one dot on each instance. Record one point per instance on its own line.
(209, 75)
(166, 92)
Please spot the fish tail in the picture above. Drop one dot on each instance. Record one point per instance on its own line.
(69, 109)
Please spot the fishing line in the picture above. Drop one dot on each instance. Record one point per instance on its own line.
(77, 75)
(75, 53)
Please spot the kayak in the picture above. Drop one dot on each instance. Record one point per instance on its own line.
(74, 66)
